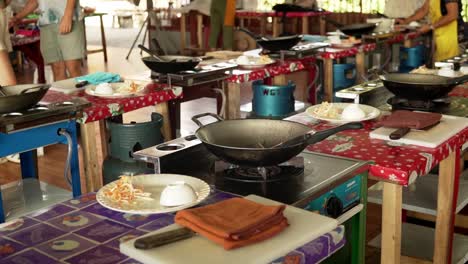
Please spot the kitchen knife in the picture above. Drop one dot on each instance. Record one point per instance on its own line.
(163, 238)
(401, 132)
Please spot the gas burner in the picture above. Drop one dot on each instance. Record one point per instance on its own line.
(370, 84)
(419, 105)
(38, 108)
(260, 174)
(66, 103)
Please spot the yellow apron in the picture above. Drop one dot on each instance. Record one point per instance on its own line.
(446, 37)
(230, 13)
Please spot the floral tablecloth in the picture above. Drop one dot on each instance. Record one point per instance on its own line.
(332, 53)
(81, 231)
(252, 13)
(103, 108)
(290, 66)
(398, 38)
(399, 164)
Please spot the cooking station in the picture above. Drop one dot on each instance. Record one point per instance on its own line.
(23, 132)
(334, 187)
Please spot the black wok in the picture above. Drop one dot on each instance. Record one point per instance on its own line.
(355, 30)
(168, 64)
(251, 142)
(274, 44)
(21, 97)
(420, 86)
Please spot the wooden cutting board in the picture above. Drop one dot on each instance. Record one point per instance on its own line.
(304, 227)
(448, 127)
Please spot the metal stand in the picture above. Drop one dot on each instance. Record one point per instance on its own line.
(138, 36)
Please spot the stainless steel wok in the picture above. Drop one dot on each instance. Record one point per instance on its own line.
(21, 97)
(251, 142)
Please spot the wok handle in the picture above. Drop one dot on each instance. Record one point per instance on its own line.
(460, 80)
(40, 88)
(196, 118)
(321, 135)
(333, 22)
(250, 33)
(399, 133)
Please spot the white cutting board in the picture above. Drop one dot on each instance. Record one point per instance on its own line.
(448, 127)
(304, 227)
(66, 86)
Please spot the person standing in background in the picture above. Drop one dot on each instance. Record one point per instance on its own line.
(7, 75)
(445, 23)
(62, 34)
(222, 17)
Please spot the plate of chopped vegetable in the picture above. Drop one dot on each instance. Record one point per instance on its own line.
(141, 194)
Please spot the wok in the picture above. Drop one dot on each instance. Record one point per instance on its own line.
(255, 142)
(169, 64)
(355, 30)
(21, 97)
(274, 44)
(420, 86)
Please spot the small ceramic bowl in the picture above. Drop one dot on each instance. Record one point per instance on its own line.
(177, 194)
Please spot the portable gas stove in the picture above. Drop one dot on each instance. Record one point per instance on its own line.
(299, 51)
(441, 105)
(200, 75)
(42, 114)
(371, 93)
(332, 186)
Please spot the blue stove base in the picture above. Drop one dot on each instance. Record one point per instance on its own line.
(27, 141)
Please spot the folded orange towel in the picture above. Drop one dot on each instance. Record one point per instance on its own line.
(234, 222)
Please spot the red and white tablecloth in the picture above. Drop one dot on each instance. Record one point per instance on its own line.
(103, 108)
(398, 164)
(461, 91)
(252, 13)
(332, 53)
(398, 38)
(241, 76)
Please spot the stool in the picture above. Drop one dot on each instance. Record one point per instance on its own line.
(26, 141)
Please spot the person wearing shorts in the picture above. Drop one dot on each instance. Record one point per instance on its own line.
(62, 34)
(7, 75)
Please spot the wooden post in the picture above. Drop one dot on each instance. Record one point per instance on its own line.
(391, 223)
(305, 25)
(104, 138)
(360, 66)
(232, 92)
(280, 80)
(91, 166)
(323, 26)
(182, 33)
(200, 31)
(263, 25)
(103, 38)
(275, 27)
(163, 109)
(445, 208)
(328, 79)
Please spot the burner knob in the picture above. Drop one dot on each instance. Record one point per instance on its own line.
(334, 207)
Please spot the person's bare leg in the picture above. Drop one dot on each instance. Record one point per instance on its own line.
(7, 75)
(58, 69)
(73, 68)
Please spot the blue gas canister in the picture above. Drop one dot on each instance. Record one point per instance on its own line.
(273, 100)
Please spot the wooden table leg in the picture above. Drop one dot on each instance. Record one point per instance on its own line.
(263, 25)
(232, 92)
(85, 39)
(280, 80)
(182, 34)
(241, 22)
(163, 109)
(323, 26)
(391, 223)
(328, 79)
(360, 66)
(275, 27)
(448, 176)
(91, 166)
(305, 25)
(103, 39)
(200, 31)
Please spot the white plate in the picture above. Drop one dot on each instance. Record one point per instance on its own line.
(90, 89)
(371, 113)
(253, 65)
(154, 184)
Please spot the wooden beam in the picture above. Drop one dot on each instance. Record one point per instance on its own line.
(276, 27)
(305, 25)
(91, 166)
(445, 209)
(200, 30)
(360, 66)
(163, 109)
(328, 79)
(460, 220)
(391, 223)
(182, 33)
(232, 92)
